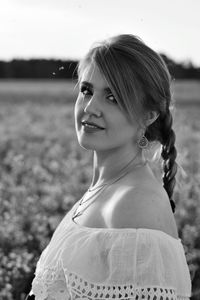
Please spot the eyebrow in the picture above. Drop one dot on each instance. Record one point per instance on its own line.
(90, 85)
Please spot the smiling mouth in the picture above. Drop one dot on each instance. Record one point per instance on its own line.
(90, 124)
(91, 128)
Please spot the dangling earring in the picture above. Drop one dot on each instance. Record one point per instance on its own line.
(143, 142)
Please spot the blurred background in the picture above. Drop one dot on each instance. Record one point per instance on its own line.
(43, 170)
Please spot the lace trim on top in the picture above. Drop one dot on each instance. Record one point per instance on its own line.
(49, 284)
(52, 285)
(81, 289)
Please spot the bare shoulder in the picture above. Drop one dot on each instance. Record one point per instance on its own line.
(145, 207)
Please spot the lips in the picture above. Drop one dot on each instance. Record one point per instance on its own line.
(91, 123)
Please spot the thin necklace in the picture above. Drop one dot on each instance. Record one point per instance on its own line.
(105, 185)
(81, 200)
(124, 168)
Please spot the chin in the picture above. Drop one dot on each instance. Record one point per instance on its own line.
(86, 146)
(83, 142)
(90, 145)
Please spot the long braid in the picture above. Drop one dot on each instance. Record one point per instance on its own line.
(169, 154)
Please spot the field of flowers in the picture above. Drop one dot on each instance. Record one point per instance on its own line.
(44, 171)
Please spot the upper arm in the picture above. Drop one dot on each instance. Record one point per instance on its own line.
(140, 208)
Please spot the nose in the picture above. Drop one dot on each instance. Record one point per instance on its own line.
(92, 108)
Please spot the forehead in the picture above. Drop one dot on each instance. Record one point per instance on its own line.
(93, 75)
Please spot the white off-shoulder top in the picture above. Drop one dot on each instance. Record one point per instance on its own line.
(105, 263)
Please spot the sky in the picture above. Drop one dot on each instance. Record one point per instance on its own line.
(65, 29)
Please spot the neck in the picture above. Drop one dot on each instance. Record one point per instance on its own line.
(106, 167)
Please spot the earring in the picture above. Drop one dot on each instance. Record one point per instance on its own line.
(143, 142)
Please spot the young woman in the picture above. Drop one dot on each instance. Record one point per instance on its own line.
(120, 239)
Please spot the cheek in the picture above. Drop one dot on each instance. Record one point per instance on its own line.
(124, 130)
(78, 111)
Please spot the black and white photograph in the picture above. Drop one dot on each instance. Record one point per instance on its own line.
(99, 150)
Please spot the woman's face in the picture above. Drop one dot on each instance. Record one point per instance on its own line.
(95, 97)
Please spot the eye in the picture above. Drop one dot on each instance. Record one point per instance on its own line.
(112, 98)
(85, 91)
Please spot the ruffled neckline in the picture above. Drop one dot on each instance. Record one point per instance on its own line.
(123, 230)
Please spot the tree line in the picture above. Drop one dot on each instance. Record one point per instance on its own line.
(56, 68)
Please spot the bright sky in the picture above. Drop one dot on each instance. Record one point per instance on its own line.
(65, 29)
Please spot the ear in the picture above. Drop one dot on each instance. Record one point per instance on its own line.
(151, 116)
